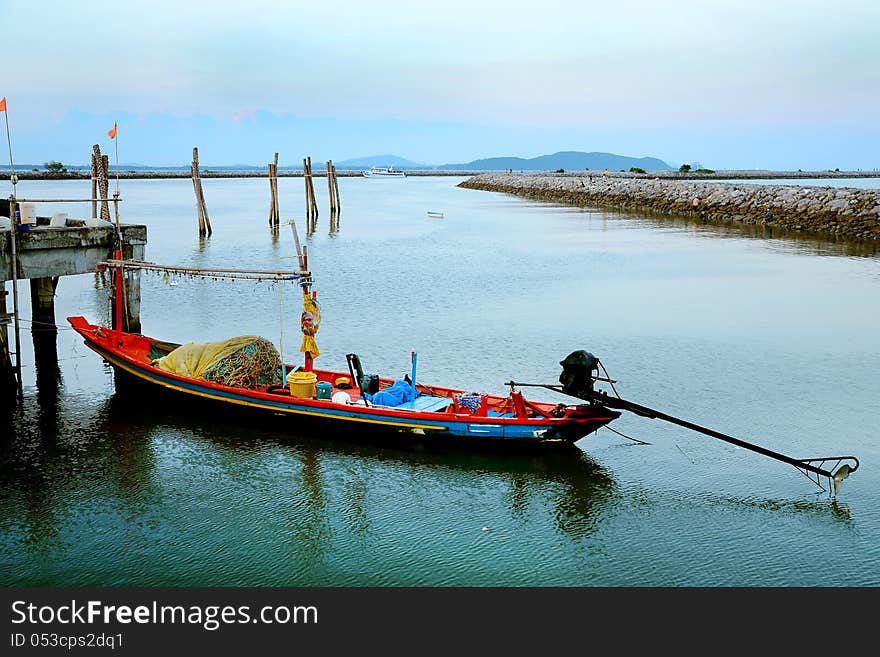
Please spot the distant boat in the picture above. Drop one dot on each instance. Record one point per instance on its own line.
(434, 214)
(383, 172)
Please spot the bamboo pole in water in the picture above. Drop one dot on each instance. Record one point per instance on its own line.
(330, 186)
(306, 187)
(195, 174)
(275, 186)
(274, 212)
(271, 197)
(312, 191)
(202, 208)
(102, 181)
(334, 197)
(336, 188)
(105, 193)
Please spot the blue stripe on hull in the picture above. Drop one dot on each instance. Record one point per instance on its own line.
(508, 433)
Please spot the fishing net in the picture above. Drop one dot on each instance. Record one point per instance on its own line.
(256, 365)
(246, 361)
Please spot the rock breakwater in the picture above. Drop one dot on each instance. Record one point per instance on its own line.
(841, 212)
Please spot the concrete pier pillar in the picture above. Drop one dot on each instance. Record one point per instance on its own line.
(43, 304)
(45, 335)
(48, 372)
(131, 289)
(132, 285)
(132, 311)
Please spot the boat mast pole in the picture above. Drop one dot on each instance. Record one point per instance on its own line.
(117, 309)
(13, 227)
(308, 362)
(118, 283)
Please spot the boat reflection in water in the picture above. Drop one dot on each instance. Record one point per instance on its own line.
(575, 485)
(151, 491)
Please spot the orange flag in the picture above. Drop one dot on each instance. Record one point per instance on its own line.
(3, 104)
(112, 132)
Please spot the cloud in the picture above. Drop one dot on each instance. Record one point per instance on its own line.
(588, 71)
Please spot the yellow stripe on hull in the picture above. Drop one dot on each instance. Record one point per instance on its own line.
(136, 372)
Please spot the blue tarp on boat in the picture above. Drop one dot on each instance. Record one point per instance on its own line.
(399, 392)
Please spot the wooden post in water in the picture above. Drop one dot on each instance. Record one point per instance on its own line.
(306, 187)
(271, 197)
(204, 221)
(330, 187)
(311, 203)
(102, 181)
(94, 195)
(336, 187)
(274, 212)
(105, 191)
(312, 192)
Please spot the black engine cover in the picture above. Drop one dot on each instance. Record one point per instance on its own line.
(577, 374)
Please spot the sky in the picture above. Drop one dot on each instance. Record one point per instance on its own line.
(769, 84)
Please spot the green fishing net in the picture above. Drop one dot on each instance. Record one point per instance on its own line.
(246, 361)
(255, 365)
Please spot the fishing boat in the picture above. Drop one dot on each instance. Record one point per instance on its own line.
(246, 373)
(383, 172)
(343, 397)
(431, 411)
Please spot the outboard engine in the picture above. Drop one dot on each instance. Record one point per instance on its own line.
(577, 376)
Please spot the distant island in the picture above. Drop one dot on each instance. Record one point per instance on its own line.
(395, 161)
(567, 160)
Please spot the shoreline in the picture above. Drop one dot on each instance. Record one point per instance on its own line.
(158, 174)
(132, 174)
(835, 212)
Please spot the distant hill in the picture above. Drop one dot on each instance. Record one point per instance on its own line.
(568, 160)
(380, 161)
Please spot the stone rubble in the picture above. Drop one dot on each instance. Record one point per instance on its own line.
(842, 212)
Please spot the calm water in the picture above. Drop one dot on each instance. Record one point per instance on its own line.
(773, 341)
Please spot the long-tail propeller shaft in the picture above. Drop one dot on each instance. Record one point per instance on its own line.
(580, 373)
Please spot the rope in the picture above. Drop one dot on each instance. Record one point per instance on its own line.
(246, 274)
(608, 376)
(635, 440)
(685, 454)
(281, 330)
(33, 322)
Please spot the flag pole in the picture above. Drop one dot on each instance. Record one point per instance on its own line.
(13, 228)
(119, 285)
(116, 139)
(14, 178)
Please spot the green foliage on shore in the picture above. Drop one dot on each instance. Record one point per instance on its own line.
(684, 168)
(560, 171)
(636, 170)
(705, 171)
(55, 167)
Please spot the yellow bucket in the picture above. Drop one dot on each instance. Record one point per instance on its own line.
(302, 384)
